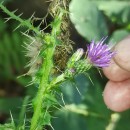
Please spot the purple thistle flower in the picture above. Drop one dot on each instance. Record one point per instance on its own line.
(99, 54)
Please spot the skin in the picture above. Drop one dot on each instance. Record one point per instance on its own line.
(117, 90)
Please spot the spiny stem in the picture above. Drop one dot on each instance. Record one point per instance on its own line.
(26, 23)
(42, 88)
(46, 68)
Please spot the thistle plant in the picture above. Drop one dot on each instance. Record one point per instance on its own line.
(49, 51)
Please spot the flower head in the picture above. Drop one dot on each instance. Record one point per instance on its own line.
(99, 54)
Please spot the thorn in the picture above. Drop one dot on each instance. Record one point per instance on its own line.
(58, 69)
(24, 122)
(31, 83)
(62, 98)
(57, 108)
(24, 46)
(52, 127)
(61, 106)
(45, 112)
(27, 31)
(54, 117)
(15, 11)
(89, 78)
(100, 72)
(12, 118)
(27, 35)
(7, 19)
(20, 15)
(78, 90)
(29, 108)
(17, 27)
(32, 16)
(21, 76)
(27, 105)
(30, 104)
(46, 27)
(46, 18)
(40, 24)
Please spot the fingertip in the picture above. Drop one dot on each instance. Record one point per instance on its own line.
(115, 73)
(117, 95)
(122, 57)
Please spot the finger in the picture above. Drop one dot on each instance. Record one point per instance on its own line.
(122, 58)
(115, 73)
(117, 95)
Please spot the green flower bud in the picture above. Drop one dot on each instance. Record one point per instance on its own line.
(77, 65)
(82, 66)
(75, 57)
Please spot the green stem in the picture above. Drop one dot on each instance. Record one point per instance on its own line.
(42, 88)
(84, 112)
(51, 40)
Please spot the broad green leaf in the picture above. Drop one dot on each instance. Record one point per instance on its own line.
(72, 89)
(87, 19)
(69, 121)
(117, 11)
(119, 35)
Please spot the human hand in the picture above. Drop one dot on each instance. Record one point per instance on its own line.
(117, 90)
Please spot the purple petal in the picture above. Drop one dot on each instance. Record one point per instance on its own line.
(99, 54)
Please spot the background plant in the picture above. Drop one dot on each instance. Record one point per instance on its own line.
(86, 109)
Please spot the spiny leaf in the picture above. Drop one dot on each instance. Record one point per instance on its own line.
(26, 23)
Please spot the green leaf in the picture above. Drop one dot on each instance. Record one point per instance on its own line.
(117, 11)
(69, 121)
(118, 35)
(7, 127)
(72, 89)
(123, 123)
(87, 19)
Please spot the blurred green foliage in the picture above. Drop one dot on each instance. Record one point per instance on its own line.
(11, 55)
(95, 19)
(12, 65)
